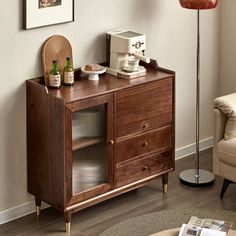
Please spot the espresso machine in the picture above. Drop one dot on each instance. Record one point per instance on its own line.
(124, 51)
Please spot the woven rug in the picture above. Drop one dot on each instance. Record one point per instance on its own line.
(151, 223)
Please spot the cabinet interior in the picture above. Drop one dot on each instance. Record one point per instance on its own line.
(89, 148)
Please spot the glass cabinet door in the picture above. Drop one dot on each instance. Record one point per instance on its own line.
(90, 135)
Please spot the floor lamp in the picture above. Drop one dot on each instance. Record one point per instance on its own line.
(197, 177)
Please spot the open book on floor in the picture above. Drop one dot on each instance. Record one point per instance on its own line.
(205, 227)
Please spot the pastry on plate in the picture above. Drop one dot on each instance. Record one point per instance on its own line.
(93, 67)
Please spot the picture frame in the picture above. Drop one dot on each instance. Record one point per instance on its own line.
(40, 13)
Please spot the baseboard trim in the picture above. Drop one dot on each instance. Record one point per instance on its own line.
(191, 149)
(18, 211)
(29, 207)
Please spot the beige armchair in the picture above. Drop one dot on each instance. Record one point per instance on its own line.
(224, 152)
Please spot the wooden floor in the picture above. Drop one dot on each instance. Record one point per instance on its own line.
(96, 219)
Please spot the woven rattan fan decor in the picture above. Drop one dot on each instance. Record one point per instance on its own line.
(57, 47)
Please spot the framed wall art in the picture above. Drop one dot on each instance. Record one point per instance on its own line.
(39, 13)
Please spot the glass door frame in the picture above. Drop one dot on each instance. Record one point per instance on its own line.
(106, 100)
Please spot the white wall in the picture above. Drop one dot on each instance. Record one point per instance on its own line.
(171, 32)
(20, 60)
(227, 78)
(171, 39)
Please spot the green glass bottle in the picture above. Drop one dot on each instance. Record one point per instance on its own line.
(68, 74)
(54, 75)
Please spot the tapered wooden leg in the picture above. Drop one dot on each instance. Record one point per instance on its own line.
(67, 216)
(226, 184)
(165, 183)
(38, 206)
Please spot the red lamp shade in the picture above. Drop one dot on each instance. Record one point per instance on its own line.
(198, 4)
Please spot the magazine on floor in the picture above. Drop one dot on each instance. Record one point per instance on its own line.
(205, 227)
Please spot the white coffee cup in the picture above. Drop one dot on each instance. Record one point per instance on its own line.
(133, 63)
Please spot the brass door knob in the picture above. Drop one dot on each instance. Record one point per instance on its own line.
(111, 141)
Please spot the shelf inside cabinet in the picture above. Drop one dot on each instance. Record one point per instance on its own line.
(86, 142)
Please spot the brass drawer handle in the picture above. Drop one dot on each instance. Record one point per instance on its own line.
(145, 144)
(145, 126)
(111, 141)
(145, 168)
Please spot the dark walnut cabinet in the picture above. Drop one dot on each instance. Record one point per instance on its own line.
(98, 139)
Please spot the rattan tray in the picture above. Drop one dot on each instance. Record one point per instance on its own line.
(57, 47)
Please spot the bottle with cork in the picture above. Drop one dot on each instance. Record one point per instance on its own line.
(54, 75)
(68, 73)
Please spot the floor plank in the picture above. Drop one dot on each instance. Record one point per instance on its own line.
(92, 221)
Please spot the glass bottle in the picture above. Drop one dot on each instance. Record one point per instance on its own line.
(54, 75)
(68, 73)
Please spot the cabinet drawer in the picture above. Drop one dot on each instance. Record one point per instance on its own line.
(143, 168)
(152, 141)
(144, 107)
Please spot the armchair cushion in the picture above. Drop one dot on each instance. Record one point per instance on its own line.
(227, 104)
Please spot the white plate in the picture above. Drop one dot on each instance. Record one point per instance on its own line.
(88, 72)
(129, 69)
(93, 75)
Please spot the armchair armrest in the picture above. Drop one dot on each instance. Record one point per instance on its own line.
(219, 125)
(219, 128)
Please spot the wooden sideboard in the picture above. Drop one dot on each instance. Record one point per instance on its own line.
(98, 139)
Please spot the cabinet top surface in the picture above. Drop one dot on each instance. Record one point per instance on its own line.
(84, 88)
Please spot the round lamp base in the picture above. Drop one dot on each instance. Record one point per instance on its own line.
(205, 178)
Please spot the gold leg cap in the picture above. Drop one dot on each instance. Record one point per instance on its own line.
(38, 209)
(67, 227)
(165, 188)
